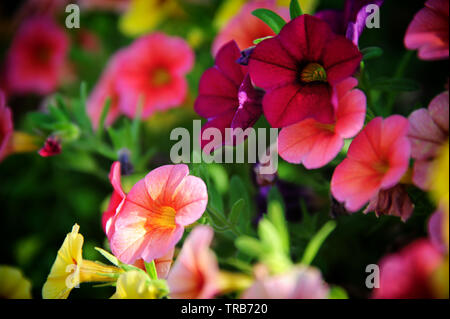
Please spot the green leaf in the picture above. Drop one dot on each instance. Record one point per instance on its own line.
(294, 9)
(256, 41)
(269, 235)
(151, 269)
(276, 216)
(113, 259)
(236, 211)
(316, 242)
(273, 20)
(249, 246)
(392, 85)
(371, 53)
(101, 122)
(238, 190)
(337, 292)
(79, 110)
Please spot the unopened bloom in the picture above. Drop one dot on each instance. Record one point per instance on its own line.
(137, 285)
(13, 284)
(298, 68)
(151, 218)
(428, 31)
(52, 147)
(70, 269)
(195, 274)
(37, 57)
(377, 159)
(315, 144)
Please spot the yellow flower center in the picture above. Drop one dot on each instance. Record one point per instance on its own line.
(160, 77)
(313, 72)
(166, 217)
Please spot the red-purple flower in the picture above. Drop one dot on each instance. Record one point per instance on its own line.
(52, 147)
(227, 97)
(6, 127)
(298, 68)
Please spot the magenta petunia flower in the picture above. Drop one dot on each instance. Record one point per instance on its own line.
(428, 31)
(195, 274)
(153, 69)
(428, 131)
(227, 97)
(150, 220)
(376, 160)
(298, 68)
(6, 127)
(52, 147)
(352, 20)
(315, 144)
(407, 274)
(36, 60)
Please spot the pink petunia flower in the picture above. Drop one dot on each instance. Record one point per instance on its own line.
(428, 131)
(376, 160)
(428, 31)
(299, 283)
(36, 60)
(407, 274)
(315, 144)
(153, 69)
(52, 147)
(195, 274)
(244, 28)
(298, 68)
(6, 127)
(150, 219)
(227, 97)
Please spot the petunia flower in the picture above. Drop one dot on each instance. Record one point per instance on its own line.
(244, 28)
(136, 285)
(195, 274)
(298, 68)
(315, 144)
(52, 147)
(37, 57)
(428, 31)
(299, 283)
(13, 284)
(227, 97)
(70, 269)
(408, 273)
(428, 131)
(352, 20)
(376, 160)
(151, 219)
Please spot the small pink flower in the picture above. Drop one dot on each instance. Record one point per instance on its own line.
(299, 283)
(376, 160)
(196, 271)
(150, 220)
(52, 147)
(407, 274)
(428, 31)
(428, 131)
(244, 28)
(315, 144)
(36, 60)
(6, 127)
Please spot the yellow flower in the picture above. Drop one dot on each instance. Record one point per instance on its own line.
(144, 15)
(308, 6)
(13, 285)
(135, 285)
(70, 269)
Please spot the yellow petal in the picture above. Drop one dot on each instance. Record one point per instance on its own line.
(13, 285)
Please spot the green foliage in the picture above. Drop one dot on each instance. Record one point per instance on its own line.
(272, 19)
(294, 9)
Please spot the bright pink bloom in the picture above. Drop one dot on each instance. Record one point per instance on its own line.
(153, 68)
(315, 144)
(428, 131)
(195, 272)
(150, 220)
(298, 68)
(37, 57)
(6, 127)
(377, 159)
(407, 274)
(52, 147)
(298, 283)
(244, 28)
(428, 31)
(394, 201)
(227, 97)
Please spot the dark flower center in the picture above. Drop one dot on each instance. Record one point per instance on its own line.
(313, 72)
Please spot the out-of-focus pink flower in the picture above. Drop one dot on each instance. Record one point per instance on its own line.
(244, 28)
(298, 68)
(394, 201)
(88, 41)
(227, 97)
(37, 58)
(153, 68)
(195, 274)
(6, 127)
(151, 219)
(408, 273)
(428, 31)
(52, 147)
(428, 131)
(376, 160)
(315, 144)
(436, 230)
(299, 283)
